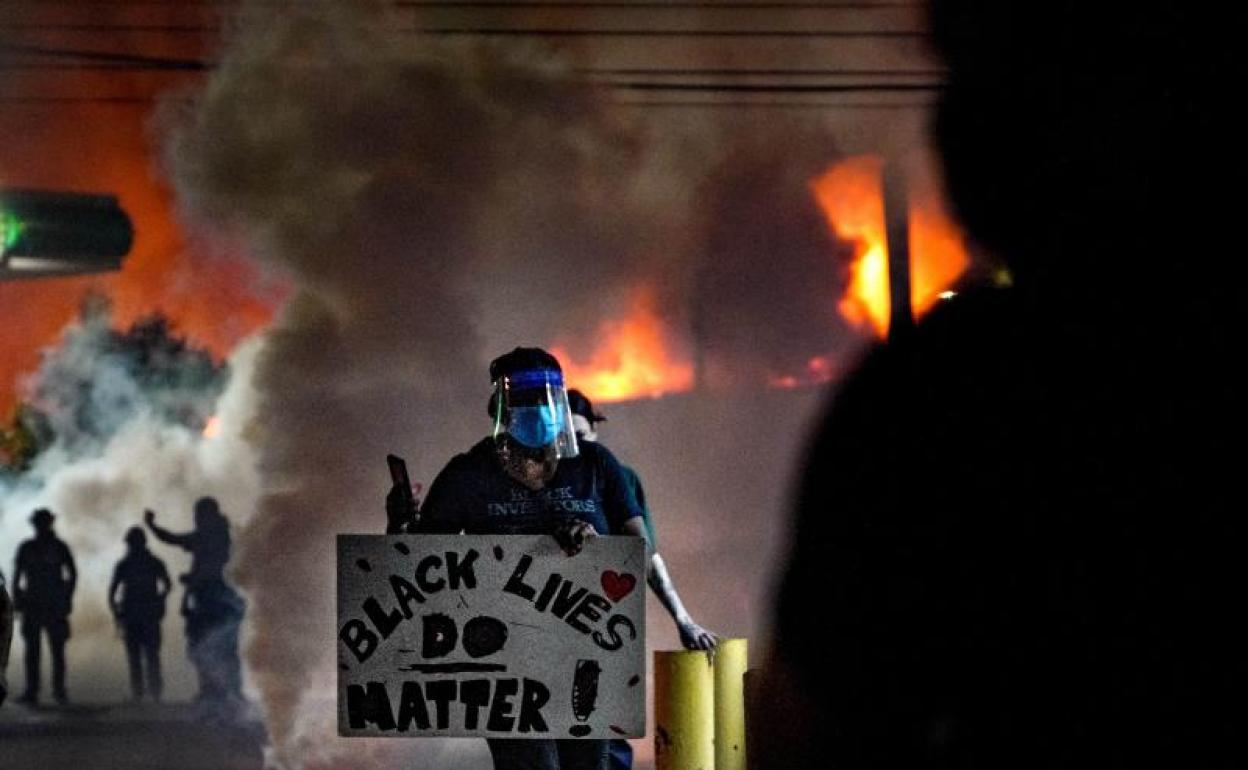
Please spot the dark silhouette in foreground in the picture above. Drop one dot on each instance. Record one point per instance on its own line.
(1015, 539)
(212, 608)
(143, 583)
(44, 578)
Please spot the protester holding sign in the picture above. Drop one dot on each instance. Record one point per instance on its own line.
(531, 477)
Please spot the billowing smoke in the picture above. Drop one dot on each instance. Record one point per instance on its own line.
(114, 425)
(434, 205)
(408, 194)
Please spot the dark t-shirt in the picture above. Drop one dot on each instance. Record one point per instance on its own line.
(473, 494)
(634, 483)
(46, 589)
(139, 576)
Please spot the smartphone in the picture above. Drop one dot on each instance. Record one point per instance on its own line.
(398, 472)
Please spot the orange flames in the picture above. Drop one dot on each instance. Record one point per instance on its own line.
(105, 148)
(632, 358)
(851, 196)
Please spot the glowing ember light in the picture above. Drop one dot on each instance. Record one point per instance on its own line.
(10, 231)
(632, 358)
(948, 294)
(212, 428)
(852, 198)
(818, 370)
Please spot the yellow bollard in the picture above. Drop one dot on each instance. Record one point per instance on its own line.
(732, 658)
(684, 711)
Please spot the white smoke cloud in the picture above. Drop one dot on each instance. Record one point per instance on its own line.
(137, 457)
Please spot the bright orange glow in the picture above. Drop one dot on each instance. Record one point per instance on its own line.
(937, 247)
(851, 195)
(632, 357)
(212, 428)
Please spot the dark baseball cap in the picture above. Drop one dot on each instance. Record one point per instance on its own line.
(583, 406)
(522, 359)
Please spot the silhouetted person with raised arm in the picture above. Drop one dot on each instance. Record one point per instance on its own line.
(1018, 537)
(143, 583)
(212, 608)
(44, 578)
(6, 635)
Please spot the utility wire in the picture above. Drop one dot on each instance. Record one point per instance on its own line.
(648, 103)
(775, 104)
(781, 89)
(746, 72)
(103, 57)
(85, 59)
(196, 29)
(646, 5)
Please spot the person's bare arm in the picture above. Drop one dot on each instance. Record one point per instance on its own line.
(113, 585)
(71, 571)
(692, 635)
(164, 535)
(162, 580)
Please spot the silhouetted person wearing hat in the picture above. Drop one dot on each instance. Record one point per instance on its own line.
(6, 635)
(43, 590)
(143, 583)
(212, 608)
(1019, 536)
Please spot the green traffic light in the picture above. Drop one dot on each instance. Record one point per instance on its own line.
(10, 231)
(51, 232)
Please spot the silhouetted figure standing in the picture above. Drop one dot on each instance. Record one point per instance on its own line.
(43, 590)
(6, 635)
(143, 583)
(1019, 537)
(213, 610)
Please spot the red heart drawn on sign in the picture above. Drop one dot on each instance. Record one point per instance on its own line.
(617, 586)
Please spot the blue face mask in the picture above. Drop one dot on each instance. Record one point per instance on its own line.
(534, 426)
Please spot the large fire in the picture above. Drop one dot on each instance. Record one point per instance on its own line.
(851, 196)
(633, 357)
(214, 300)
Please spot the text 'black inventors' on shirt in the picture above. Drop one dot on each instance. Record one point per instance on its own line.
(474, 494)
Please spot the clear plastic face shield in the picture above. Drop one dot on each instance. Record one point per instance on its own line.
(534, 412)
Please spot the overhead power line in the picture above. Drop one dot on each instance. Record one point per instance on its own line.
(198, 29)
(832, 5)
(104, 57)
(624, 5)
(760, 88)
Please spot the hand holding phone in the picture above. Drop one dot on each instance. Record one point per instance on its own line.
(402, 506)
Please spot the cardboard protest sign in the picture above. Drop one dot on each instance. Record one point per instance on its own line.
(490, 635)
